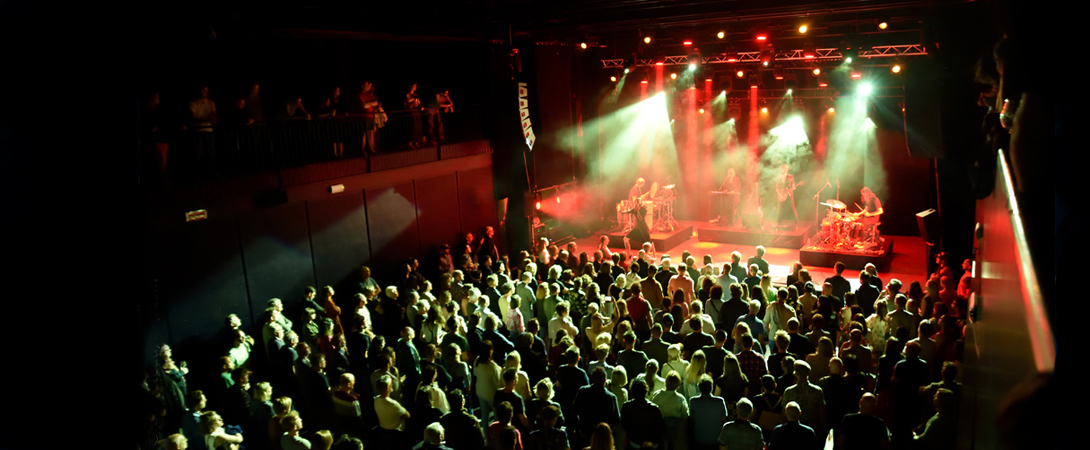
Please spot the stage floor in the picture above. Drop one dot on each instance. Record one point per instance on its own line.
(908, 264)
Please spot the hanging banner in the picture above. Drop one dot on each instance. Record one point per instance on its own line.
(524, 114)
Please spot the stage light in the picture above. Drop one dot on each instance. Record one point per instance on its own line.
(789, 91)
(777, 73)
(896, 68)
(865, 89)
(832, 110)
(687, 43)
(583, 45)
(613, 79)
(823, 83)
(537, 205)
(764, 110)
(707, 79)
(673, 75)
(721, 35)
(809, 54)
(731, 120)
(647, 39)
(848, 60)
(803, 29)
(740, 74)
(692, 67)
(558, 199)
(764, 63)
(701, 110)
(643, 82)
(658, 63)
(626, 71)
(857, 74)
(723, 92)
(883, 25)
(816, 71)
(761, 37)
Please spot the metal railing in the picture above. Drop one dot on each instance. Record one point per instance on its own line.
(276, 145)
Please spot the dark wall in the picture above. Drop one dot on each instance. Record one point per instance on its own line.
(234, 262)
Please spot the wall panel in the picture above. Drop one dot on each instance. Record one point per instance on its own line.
(391, 218)
(437, 216)
(338, 236)
(276, 251)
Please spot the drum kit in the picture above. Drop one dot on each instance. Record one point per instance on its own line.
(844, 230)
(659, 209)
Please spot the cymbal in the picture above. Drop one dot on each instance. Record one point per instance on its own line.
(835, 204)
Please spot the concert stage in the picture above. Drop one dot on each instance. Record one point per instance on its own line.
(663, 241)
(768, 237)
(812, 256)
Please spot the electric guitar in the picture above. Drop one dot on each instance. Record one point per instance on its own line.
(786, 192)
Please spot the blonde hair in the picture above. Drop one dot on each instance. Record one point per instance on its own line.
(698, 364)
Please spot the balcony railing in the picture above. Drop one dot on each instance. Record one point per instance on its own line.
(285, 144)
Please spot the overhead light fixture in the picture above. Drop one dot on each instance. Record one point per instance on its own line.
(803, 29)
(659, 63)
(613, 78)
(883, 25)
(673, 75)
(647, 39)
(643, 81)
(896, 68)
(857, 74)
(761, 37)
(692, 67)
(832, 110)
(816, 71)
(777, 73)
(754, 80)
(740, 74)
(583, 45)
(764, 110)
(701, 110)
(721, 34)
(626, 71)
(687, 43)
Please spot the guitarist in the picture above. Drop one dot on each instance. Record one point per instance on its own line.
(785, 192)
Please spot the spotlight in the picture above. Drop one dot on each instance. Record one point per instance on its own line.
(647, 39)
(754, 80)
(789, 91)
(708, 80)
(803, 29)
(764, 63)
(583, 45)
(896, 68)
(857, 74)
(883, 25)
(761, 37)
(731, 120)
(687, 43)
(777, 73)
(701, 110)
(764, 110)
(865, 89)
(740, 74)
(673, 75)
(692, 67)
(643, 81)
(723, 92)
(613, 78)
(721, 35)
(809, 54)
(832, 110)
(626, 71)
(816, 71)
(848, 60)
(537, 205)
(658, 63)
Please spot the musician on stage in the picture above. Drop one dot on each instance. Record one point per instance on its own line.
(785, 192)
(732, 188)
(871, 213)
(637, 189)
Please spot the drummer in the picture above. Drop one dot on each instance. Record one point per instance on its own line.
(872, 211)
(637, 189)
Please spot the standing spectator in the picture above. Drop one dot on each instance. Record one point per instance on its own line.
(391, 415)
(367, 105)
(641, 419)
(412, 103)
(707, 413)
(793, 434)
(809, 397)
(741, 433)
(863, 430)
(202, 116)
(254, 105)
(440, 104)
(463, 430)
(294, 110)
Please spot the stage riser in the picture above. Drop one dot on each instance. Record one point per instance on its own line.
(851, 261)
(662, 241)
(794, 239)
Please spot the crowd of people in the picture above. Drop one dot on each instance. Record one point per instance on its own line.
(248, 111)
(559, 349)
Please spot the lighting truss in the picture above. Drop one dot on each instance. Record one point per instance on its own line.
(821, 54)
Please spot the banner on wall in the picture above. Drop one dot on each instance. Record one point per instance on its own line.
(524, 115)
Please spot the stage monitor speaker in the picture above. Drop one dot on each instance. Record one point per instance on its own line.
(928, 221)
(750, 220)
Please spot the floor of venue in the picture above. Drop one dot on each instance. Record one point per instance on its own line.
(908, 264)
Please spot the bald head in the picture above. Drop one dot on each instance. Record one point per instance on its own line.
(868, 403)
(792, 411)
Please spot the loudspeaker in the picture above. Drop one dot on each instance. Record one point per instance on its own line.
(930, 228)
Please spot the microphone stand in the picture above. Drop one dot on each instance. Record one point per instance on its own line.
(817, 204)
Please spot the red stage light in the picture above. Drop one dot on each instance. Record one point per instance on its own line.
(740, 74)
(687, 43)
(658, 63)
(823, 84)
(643, 82)
(761, 37)
(753, 86)
(709, 80)
(731, 59)
(701, 110)
(808, 55)
(857, 74)
(538, 205)
(817, 72)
